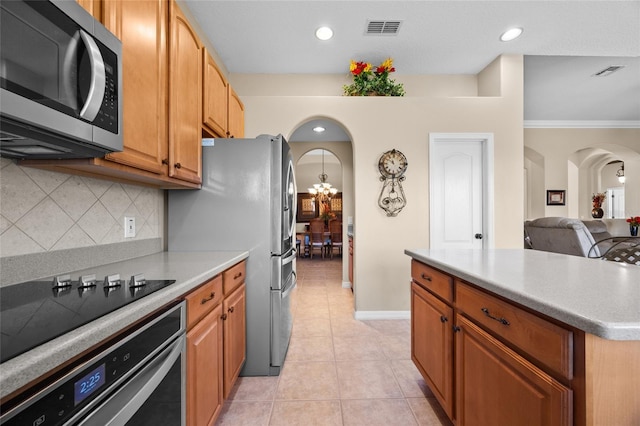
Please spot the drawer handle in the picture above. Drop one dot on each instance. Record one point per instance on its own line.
(238, 275)
(500, 320)
(424, 277)
(206, 299)
(230, 309)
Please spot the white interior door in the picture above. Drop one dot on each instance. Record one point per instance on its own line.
(457, 192)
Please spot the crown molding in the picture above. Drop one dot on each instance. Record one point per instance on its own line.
(581, 124)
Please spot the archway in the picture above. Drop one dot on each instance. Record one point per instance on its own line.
(597, 167)
(336, 141)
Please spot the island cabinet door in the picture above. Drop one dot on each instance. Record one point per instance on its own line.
(496, 386)
(432, 343)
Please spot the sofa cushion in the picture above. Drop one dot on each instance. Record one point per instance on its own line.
(598, 229)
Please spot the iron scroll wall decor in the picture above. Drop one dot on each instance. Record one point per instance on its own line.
(392, 166)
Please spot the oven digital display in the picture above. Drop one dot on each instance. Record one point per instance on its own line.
(89, 384)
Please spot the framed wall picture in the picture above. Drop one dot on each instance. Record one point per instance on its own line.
(307, 208)
(556, 197)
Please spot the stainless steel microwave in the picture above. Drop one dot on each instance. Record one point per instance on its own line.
(61, 82)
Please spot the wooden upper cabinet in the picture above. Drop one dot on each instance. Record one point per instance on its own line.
(185, 99)
(142, 28)
(214, 96)
(94, 7)
(236, 116)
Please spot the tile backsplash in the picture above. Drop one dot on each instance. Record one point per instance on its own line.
(43, 211)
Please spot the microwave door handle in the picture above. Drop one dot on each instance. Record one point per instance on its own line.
(98, 79)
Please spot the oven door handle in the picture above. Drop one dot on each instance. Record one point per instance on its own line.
(119, 408)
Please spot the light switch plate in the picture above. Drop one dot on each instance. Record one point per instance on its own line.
(129, 227)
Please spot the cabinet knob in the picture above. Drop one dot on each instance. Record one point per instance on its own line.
(224, 317)
(231, 309)
(165, 161)
(478, 236)
(178, 165)
(456, 329)
(443, 318)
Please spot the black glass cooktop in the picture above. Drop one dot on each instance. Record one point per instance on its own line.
(35, 312)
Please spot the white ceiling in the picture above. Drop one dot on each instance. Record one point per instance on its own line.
(564, 43)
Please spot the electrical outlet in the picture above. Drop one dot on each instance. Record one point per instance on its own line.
(129, 227)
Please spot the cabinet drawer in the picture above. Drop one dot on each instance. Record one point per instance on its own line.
(234, 276)
(203, 299)
(438, 282)
(542, 340)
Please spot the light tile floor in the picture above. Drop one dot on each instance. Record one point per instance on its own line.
(338, 370)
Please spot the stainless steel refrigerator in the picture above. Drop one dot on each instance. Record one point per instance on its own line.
(247, 202)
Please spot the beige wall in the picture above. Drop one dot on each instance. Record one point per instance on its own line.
(279, 104)
(575, 160)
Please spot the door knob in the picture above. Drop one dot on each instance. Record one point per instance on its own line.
(478, 236)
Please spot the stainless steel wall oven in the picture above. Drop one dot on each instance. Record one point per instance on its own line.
(138, 379)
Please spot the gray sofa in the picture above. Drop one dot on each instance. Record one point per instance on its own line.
(589, 238)
(561, 235)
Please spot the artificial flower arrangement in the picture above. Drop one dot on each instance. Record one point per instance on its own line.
(598, 199)
(634, 221)
(370, 81)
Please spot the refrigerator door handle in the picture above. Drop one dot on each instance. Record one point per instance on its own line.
(294, 281)
(289, 258)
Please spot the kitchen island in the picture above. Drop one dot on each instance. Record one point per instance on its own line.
(188, 269)
(501, 335)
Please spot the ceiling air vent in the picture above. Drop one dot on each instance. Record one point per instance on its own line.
(608, 71)
(383, 27)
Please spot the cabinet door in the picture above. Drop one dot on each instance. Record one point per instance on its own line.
(496, 386)
(142, 28)
(432, 343)
(236, 115)
(204, 370)
(214, 97)
(185, 99)
(235, 336)
(94, 7)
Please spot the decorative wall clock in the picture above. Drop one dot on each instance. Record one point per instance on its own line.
(392, 165)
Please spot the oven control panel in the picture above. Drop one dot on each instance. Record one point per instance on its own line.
(72, 394)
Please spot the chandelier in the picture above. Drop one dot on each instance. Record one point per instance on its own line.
(620, 174)
(323, 190)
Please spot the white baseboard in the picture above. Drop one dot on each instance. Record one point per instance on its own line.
(382, 315)
(346, 284)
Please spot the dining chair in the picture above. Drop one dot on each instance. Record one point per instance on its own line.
(335, 236)
(317, 236)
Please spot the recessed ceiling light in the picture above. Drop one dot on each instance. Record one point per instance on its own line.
(318, 129)
(324, 33)
(511, 34)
